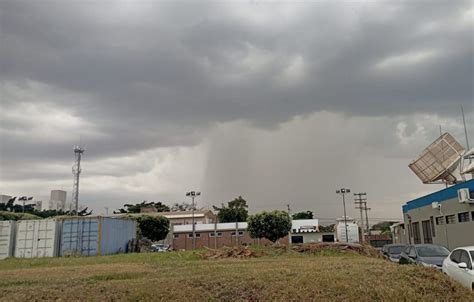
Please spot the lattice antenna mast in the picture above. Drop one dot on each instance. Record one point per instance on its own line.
(76, 171)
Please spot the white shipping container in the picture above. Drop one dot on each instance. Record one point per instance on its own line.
(37, 238)
(352, 232)
(91, 236)
(7, 238)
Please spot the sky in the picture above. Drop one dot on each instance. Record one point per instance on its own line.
(281, 102)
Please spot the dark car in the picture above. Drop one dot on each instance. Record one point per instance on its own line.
(429, 255)
(393, 251)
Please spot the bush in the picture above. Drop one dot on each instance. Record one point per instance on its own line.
(271, 225)
(154, 228)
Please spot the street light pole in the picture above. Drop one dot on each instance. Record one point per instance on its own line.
(343, 192)
(193, 194)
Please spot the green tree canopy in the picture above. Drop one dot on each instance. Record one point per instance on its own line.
(271, 225)
(327, 228)
(10, 206)
(154, 228)
(235, 211)
(136, 208)
(303, 215)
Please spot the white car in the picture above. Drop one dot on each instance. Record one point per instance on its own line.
(459, 265)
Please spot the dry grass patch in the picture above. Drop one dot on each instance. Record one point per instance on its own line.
(289, 276)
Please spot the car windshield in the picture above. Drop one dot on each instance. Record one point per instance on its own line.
(395, 249)
(472, 255)
(432, 251)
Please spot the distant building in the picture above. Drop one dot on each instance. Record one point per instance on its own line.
(4, 198)
(443, 217)
(215, 235)
(399, 233)
(58, 200)
(307, 231)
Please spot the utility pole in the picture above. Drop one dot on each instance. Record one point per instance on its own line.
(367, 218)
(342, 192)
(193, 194)
(359, 201)
(289, 209)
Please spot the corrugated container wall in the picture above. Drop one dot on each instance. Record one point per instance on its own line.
(90, 236)
(7, 238)
(37, 238)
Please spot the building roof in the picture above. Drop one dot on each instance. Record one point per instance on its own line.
(439, 196)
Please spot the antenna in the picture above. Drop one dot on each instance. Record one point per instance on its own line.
(76, 171)
(465, 129)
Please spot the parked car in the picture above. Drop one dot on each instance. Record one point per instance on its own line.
(392, 251)
(460, 266)
(159, 247)
(429, 255)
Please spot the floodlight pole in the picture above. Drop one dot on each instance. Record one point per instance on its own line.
(193, 194)
(343, 192)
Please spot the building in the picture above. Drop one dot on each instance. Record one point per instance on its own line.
(5, 198)
(186, 217)
(307, 231)
(399, 233)
(58, 200)
(442, 217)
(215, 235)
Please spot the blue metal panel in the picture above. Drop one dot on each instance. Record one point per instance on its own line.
(440, 196)
(116, 233)
(80, 236)
(84, 236)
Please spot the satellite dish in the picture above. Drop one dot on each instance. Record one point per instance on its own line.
(439, 160)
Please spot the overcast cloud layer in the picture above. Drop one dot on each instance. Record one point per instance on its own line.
(281, 102)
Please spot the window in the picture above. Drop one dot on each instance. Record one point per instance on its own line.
(296, 239)
(465, 258)
(472, 216)
(197, 235)
(433, 232)
(416, 232)
(463, 217)
(215, 234)
(175, 236)
(426, 226)
(241, 233)
(455, 256)
(439, 220)
(451, 219)
(407, 250)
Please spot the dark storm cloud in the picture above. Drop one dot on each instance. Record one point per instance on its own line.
(144, 74)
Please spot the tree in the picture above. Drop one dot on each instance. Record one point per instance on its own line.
(303, 215)
(236, 211)
(180, 207)
(327, 228)
(10, 206)
(271, 225)
(154, 228)
(136, 208)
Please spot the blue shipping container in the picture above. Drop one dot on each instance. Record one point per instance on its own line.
(91, 236)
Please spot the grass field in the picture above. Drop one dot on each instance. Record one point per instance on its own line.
(185, 276)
